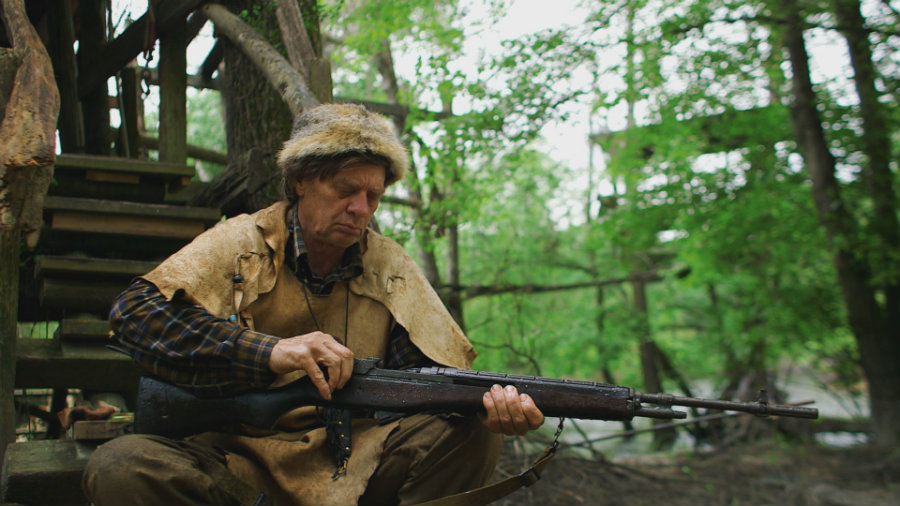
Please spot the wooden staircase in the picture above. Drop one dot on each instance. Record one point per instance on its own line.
(107, 220)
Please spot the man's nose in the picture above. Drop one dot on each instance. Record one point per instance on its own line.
(358, 204)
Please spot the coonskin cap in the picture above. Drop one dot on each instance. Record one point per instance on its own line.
(332, 129)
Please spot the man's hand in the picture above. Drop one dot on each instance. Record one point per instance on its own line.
(510, 413)
(312, 352)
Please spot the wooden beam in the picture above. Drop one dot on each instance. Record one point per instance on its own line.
(132, 111)
(211, 62)
(172, 93)
(62, 39)
(193, 151)
(131, 43)
(94, 96)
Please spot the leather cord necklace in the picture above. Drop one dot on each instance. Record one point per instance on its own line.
(337, 421)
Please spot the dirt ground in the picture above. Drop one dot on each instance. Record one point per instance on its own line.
(760, 473)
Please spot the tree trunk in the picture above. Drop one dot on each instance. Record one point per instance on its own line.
(249, 99)
(879, 180)
(877, 342)
(649, 360)
(26, 167)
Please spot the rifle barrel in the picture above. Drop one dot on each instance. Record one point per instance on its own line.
(757, 408)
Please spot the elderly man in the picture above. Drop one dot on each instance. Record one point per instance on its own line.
(296, 289)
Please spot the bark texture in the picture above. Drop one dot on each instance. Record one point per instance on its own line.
(27, 143)
(877, 340)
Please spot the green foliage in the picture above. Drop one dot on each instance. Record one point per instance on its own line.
(706, 191)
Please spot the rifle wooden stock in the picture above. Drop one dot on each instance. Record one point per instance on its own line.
(168, 410)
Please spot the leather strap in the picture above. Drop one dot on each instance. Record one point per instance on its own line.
(494, 491)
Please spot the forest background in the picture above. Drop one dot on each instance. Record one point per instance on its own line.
(736, 219)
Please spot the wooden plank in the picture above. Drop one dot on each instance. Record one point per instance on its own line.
(45, 472)
(52, 265)
(111, 177)
(127, 165)
(83, 329)
(133, 225)
(49, 363)
(91, 296)
(114, 207)
(152, 189)
(86, 430)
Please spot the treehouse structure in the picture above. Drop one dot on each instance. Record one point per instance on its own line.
(118, 203)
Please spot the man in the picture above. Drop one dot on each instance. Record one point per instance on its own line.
(301, 288)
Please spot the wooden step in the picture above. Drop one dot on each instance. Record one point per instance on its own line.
(45, 472)
(84, 329)
(56, 266)
(52, 363)
(101, 244)
(108, 166)
(84, 283)
(127, 218)
(125, 178)
(79, 295)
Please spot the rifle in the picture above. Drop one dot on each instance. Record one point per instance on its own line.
(168, 410)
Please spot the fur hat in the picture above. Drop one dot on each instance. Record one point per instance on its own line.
(332, 129)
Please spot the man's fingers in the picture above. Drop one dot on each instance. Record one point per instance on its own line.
(517, 419)
(510, 413)
(532, 413)
(317, 377)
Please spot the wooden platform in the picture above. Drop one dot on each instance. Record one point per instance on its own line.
(45, 472)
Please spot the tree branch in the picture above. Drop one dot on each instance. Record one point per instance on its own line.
(294, 35)
(470, 292)
(281, 75)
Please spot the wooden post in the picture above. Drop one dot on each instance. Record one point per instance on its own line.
(95, 101)
(62, 53)
(9, 310)
(173, 88)
(131, 110)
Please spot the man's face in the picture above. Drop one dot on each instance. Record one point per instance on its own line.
(334, 213)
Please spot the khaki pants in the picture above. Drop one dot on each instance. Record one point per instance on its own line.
(425, 458)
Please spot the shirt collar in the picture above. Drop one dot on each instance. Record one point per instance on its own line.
(350, 266)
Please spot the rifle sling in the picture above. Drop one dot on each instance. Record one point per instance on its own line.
(495, 491)
(249, 496)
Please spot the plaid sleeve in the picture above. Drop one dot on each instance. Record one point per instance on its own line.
(188, 346)
(402, 353)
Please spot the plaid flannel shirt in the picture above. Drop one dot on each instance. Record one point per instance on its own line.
(190, 347)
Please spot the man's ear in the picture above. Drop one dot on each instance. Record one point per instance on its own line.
(299, 187)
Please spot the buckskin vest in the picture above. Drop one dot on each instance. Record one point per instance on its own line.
(236, 269)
